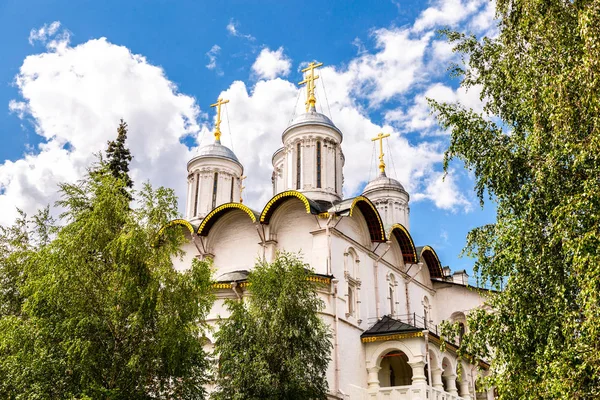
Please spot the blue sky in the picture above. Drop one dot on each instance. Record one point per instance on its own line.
(69, 70)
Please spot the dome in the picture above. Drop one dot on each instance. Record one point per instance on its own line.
(216, 150)
(382, 182)
(311, 118)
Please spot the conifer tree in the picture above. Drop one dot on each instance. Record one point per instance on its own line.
(118, 156)
(274, 345)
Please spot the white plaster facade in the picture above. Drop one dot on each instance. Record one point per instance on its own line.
(374, 273)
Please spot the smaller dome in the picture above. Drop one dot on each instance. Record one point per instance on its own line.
(216, 150)
(382, 182)
(311, 118)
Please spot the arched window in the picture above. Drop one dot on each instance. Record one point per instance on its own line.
(318, 164)
(298, 165)
(426, 313)
(392, 294)
(215, 183)
(351, 274)
(351, 307)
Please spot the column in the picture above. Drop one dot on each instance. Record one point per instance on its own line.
(436, 377)
(451, 384)
(373, 379)
(418, 370)
(464, 389)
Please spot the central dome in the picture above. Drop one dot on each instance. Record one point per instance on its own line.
(216, 150)
(311, 118)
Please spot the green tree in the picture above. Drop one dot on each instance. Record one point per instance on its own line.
(97, 310)
(535, 150)
(274, 345)
(118, 156)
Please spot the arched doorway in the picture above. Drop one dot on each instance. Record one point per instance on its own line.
(395, 370)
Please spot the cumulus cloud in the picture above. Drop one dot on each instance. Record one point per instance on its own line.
(447, 13)
(418, 118)
(271, 63)
(76, 96)
(233, 31)
(443, 190)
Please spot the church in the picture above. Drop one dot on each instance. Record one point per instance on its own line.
(384, 295)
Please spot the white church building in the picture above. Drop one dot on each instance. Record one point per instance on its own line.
(384, 296)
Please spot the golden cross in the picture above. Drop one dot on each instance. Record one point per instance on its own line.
(309, 80)
(242, 187)
(380, 137)
(218, 123)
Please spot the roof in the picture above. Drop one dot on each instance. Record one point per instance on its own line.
(311, 118)
(216, 150)
(383, 182)
(388, 325)
(369, 211)
(428, 254)
(234, 276)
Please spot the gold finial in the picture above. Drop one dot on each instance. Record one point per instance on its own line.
(218, 123)
(380, 137)
(242, 187)
(309, 80)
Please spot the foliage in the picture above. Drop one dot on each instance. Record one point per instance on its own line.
(92, 310)
(536, 150)
(274, 345)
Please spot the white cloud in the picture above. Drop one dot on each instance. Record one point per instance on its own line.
(444, 192)
(271, 63)
(212, 58)
(446, 13)
(418, 117)
(76, 96)
(44, 32)
(232, 29)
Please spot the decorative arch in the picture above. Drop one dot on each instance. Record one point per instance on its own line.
(368, 209)
(407, 246)
(352, 261)
(310, 206)
(392, 345)
(433, 262)
(435, 358)
(218, 212)
(180, 222)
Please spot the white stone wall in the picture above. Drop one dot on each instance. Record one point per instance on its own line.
(236, 244)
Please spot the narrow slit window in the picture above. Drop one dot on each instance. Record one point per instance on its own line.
(232, 180)
(335, 187)
(215, 182)
(298, 166)
(318, 164)
(197, 182)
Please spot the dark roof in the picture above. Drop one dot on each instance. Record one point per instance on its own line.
(234, 276)
(388, 325)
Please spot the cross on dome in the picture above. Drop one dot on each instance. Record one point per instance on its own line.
(380, 137)
(309, 80)
(242, 187)
(218, 123)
